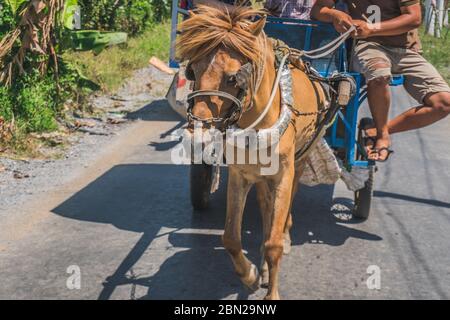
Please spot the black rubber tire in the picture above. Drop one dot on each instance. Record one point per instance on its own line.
(200, 185)
(363, 197)
(366, 122)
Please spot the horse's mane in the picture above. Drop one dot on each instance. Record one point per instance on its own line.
(208, 28)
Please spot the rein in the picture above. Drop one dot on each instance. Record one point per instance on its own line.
(282, 82)
(238, 108)
(270, 102)
(327, 49)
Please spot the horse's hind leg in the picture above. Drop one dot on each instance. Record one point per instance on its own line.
(238, 188)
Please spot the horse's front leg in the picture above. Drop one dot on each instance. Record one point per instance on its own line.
(238, 188)
(282, 194)
(264, 197)
(287, 235)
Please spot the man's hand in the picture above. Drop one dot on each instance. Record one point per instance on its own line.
(323, 10)
(341, 21)
(364, 30)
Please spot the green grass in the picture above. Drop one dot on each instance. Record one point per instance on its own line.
(437, 51)
(114, 65)
(33, 105)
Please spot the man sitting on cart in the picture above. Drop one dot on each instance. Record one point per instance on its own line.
(391, 46)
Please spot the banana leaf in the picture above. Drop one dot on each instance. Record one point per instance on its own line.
(70, 8)
(86, 40)
(15, 4)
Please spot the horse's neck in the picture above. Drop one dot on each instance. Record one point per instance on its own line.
(262, 97)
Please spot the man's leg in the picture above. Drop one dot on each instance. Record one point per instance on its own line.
(379, 97)
(374, 62)
(437, 107)
(424, 83)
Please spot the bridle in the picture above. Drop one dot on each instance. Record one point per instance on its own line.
(243, 79)
(233, 117)
(248, 80)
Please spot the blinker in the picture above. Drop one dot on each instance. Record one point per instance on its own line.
(189, 73)
(244, 75)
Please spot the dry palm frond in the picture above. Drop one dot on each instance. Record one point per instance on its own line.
(6, 130)
(36, 32)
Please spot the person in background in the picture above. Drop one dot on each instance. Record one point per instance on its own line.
(389, 47)
(219, 3)
(295, 9)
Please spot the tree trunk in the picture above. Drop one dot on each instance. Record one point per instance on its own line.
(430, 20)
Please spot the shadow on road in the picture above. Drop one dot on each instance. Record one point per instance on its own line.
(430, 202)
(158, 110)
(152, 198)
(316, 220)
(144, 198)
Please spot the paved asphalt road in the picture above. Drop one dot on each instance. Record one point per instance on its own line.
(127, 223)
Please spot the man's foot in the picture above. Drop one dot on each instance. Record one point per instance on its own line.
(369, 134)
(369, 143)
(381, 152)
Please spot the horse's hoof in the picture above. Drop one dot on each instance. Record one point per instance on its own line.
(251, 281)
(273, 297)
(264, 283)
(287, 246)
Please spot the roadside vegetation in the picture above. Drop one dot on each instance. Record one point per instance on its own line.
(48, 69)
(111, 67)
(437, 51)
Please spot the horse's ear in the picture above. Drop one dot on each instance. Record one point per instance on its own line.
(257, 27)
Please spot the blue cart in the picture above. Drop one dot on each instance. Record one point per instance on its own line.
(344, 135)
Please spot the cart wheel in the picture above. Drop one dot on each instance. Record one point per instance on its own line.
(364, 122)
(363, 197)
(201, 179)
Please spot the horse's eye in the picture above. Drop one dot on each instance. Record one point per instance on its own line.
(231, 80)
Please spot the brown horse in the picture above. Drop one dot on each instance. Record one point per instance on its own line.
(218, 44)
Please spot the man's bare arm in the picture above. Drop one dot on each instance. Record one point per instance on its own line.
(410, 19)
(323, 10)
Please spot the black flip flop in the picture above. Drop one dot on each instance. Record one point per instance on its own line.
(368, 139)
(378, 151)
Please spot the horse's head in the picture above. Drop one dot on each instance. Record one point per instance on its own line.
(225, 52)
